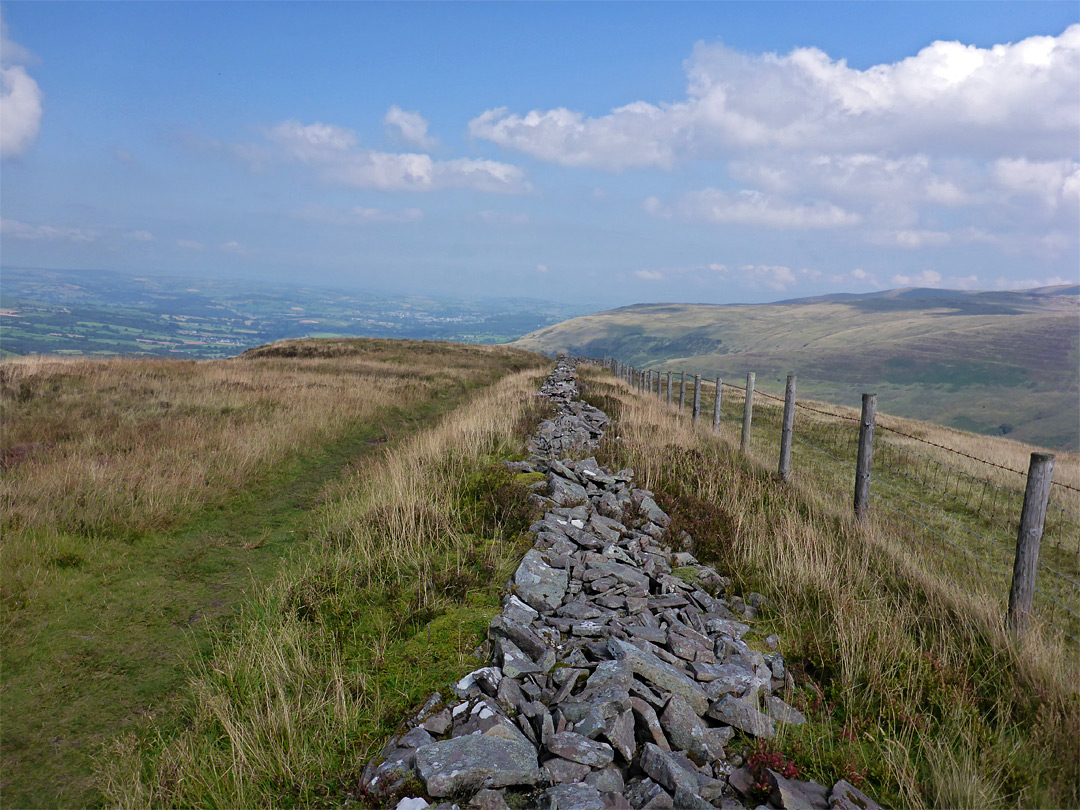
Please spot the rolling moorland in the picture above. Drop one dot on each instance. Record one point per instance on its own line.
(102, 313)
(999, 363)
(228, 582)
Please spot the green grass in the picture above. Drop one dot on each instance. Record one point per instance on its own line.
(106, 618)
(406, 569)
(125, 618)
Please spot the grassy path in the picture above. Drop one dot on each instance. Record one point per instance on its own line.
(110, 649)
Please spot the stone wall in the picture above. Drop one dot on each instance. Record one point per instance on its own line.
(618, 672)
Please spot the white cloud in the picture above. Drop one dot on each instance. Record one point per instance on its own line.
(333, 152)
(500, 218)
(409, 127)
(20, 98)
(233, 247)
(190, 244)
(541, 268)
(1053, 183)
(775, 277)
(139, 236)
(650, 275)
(1031, 283)
(910, 239)
(357, 215)
(859, 176)
(46, 233)
(952, 98)
(750, 207)
(934, 279)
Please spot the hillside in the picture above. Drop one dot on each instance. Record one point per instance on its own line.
(228, 583)
(1000, 363)
(145, 501)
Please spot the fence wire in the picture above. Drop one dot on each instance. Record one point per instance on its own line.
(963, 509)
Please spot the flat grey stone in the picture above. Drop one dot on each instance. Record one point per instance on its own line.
(659, 673)
(523, 636)
(678, 774)
(576, 748)
(572, 797)
(474, 762)
(539, 585)
(515, 663)
(788, 794)
(607, 780)
(845, 796)
(735, 713)
(685, 731)
(647, 718)
(783, 713)
(559, 770)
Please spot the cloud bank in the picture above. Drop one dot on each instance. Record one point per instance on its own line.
(335, 154)
(20, 98)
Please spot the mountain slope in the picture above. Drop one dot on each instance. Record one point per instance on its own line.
(992, 362)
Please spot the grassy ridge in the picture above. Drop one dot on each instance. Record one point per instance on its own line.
(995, 363)
(405, 572)
(911, 684)
(151, 496)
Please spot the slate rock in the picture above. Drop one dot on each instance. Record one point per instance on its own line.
(572, 797)
(538, 584)
(662, 675)
(558, 770)
(474, 762)
(577, 748)
(783, 713)
(734, 712)
(686, 732)
(488, 799)
(649, 722)
(678, 774)
(845, 796)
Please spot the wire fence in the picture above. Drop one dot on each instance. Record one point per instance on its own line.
(960, 507)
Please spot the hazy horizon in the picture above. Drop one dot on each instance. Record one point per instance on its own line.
(601, 153)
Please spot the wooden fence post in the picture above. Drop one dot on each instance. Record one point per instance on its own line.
(682, 390)
(866, 454)
(669, 375)
(648, 381)
(748, 413)
(784, 469)
(716, 406)
(1026, 565)
(697, 397)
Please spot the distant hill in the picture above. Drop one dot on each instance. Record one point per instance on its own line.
(1001, 362)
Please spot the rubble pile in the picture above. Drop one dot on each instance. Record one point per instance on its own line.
(618, 672)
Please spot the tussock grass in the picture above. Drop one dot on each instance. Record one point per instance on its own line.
(409, 561)
(911, 683)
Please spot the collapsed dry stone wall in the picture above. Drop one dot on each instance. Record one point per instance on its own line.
(618, 672)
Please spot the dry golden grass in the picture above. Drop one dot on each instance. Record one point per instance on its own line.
(910, 680)
(406, 574)
(153, 492)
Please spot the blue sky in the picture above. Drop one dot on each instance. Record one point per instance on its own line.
(592, 152)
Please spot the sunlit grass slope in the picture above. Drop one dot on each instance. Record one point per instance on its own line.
(996, 363)
(912, 686)
(406, 567)
(142, 497)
